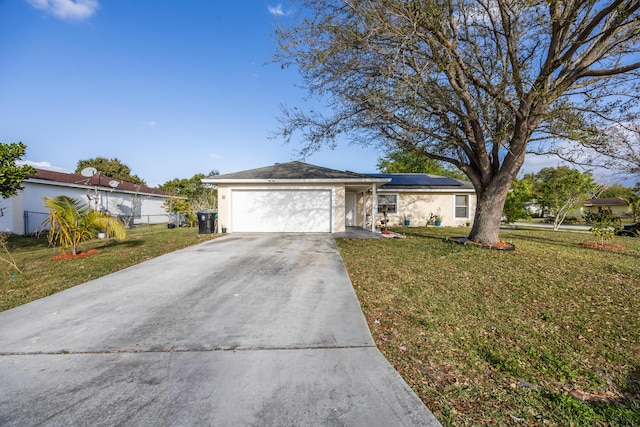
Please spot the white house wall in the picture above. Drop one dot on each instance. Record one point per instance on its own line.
(30, 200)
(9, 213)
(33, 204)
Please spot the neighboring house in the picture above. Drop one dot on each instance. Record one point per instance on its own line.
(299, 197)
(619, 207)
(25, 213)
(533, 208)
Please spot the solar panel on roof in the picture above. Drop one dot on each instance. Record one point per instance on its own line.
(418, 180)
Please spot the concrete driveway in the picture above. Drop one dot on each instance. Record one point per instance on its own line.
(243, 330)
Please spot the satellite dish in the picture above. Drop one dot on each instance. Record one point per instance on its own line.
(88, 172)
(113, 184)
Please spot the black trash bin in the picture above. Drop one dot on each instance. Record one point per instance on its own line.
(206, 222)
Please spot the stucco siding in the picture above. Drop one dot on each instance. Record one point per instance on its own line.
(420, 205)
(223, 206)
(617, 211)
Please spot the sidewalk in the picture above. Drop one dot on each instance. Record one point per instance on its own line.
(563, 227)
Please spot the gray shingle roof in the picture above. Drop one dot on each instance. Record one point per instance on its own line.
(291, 171)
(607, 201)
(300, 171)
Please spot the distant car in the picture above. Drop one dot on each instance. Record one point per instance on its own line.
(630, 230)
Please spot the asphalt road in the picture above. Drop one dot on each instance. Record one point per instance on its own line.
(242, 330)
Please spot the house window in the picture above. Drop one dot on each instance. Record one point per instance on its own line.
(388, 201)
(462, 206)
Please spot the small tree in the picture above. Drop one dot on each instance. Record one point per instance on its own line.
(617, 190)
(200, 196)
(604, 225)
(70, 223)
(12, 175)
(180, 207)
(514, 206)
(561, 189)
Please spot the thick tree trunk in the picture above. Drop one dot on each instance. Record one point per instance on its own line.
(486, 223)
(492, 186)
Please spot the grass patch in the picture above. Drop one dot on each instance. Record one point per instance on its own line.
(42, 276)
(547, 334)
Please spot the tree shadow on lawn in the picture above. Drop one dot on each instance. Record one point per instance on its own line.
(418, 234)
(129, 243)
(620, 409)
(627, 252)
(546, 240)
(454, 232)
(633, 384)
(31, 242)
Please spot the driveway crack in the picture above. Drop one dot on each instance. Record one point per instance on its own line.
(190, 350)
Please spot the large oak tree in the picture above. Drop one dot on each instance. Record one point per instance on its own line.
(477, 84)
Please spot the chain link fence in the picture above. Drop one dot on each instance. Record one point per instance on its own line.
(35, 222)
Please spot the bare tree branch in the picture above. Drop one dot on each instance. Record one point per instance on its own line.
(469, 82)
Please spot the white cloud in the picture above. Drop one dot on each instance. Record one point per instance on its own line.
(215, 156)
(276, 10)
(151, 123)
(43, 165)
(67, 9)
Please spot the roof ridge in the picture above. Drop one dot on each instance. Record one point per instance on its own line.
(291, 170)
(75, 178)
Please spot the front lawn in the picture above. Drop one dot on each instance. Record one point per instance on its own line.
(42, 275)
(548, 334)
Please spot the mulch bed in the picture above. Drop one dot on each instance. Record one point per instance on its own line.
(499, 246)
(78, 255)
(603, 247)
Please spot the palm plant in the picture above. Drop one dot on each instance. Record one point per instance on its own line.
(71, 222)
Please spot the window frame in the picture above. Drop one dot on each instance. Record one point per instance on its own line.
(466, 206)
(379, 205)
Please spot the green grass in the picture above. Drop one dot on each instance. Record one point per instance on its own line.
(42, 275)
(548, 334)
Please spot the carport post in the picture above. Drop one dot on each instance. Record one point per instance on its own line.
(374, 207)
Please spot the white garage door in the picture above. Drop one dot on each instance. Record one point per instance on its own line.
(281, 211)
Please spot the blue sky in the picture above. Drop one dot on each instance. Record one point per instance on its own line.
(170, 88)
